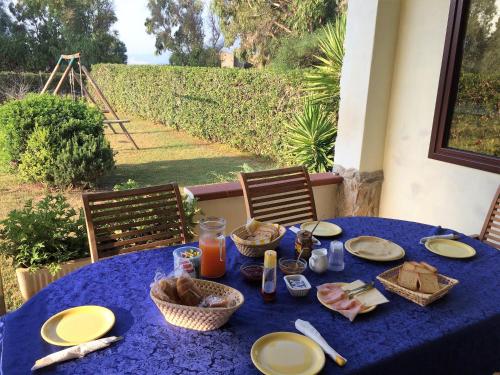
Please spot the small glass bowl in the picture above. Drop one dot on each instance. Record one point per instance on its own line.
(292, 266)
(252, 271)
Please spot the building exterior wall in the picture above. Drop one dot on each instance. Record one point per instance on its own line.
(415, 187)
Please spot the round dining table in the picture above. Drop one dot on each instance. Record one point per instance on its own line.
(457, 334)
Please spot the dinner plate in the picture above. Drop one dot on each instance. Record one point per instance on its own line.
(450, 248)
(324, 228)
(282, 353)
(374, 248)
(78, 325)
(320, 299)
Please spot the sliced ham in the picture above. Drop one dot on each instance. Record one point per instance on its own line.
(353, 310)
(335, 297)
(325, 288)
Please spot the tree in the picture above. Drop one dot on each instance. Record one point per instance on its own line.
(177, 25)
(479, 31)
(13, 46)
(491, 58)
(52, 27)
(258, 23)
(215, 31)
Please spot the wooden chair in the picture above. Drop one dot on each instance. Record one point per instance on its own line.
(282, 196)
(3, 309)
(137, 219)
(490, 234)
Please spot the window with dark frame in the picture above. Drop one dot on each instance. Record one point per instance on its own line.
(466, 128)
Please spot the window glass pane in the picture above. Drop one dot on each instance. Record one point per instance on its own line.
(475, 124)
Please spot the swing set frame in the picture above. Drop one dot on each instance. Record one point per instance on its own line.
(72, 61)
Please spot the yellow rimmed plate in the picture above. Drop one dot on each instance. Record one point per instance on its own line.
(320, 299)
(450, 248)
(324, 228)
(374, 248)
(78, 325)
(282, 353)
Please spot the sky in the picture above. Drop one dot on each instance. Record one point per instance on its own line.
(131, 16)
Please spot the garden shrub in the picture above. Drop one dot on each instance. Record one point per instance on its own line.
(55, 140)
(44, 234)
(245, 108)
(479, 92)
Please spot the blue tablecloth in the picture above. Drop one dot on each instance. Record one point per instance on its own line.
(458, 334)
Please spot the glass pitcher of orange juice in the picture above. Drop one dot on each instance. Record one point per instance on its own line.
(213, 247)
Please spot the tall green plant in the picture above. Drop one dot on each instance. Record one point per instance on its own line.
(312, 138)
(44, 234)
(323, 83)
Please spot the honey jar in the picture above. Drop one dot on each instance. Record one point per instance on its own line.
(304, 244)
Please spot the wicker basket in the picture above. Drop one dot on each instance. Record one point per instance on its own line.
(389, 280)
(254, 251)
(202, 318)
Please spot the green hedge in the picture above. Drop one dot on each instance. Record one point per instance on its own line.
(247, 109)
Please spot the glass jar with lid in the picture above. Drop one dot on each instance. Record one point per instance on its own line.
(213, 247)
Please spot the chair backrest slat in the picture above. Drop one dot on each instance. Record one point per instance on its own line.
(490, 233)
(282, 196)
(136, 219)
(3, 309)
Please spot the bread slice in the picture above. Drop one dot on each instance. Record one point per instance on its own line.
(408, 279)
(422, 269)
(409, 266)
(428, 283)
(429, 267)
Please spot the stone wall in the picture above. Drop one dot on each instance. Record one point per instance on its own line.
(359, 194)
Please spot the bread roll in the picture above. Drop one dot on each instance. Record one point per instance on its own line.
(169, 287)
(215, 301)
(188, 292)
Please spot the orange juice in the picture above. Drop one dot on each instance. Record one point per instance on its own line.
(213, 257)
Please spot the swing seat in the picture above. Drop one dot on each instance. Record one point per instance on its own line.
(116, 121)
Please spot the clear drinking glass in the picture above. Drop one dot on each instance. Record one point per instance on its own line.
(213, 247)
(336, 256)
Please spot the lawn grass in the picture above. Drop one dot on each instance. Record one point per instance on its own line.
(165, 155)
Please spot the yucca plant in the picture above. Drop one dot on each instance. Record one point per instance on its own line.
(323, 83)
(312, 137)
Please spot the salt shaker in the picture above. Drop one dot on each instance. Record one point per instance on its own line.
(336, 256)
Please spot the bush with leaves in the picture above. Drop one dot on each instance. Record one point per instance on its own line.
(44, 234)
(54, 140)
(311, 138)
